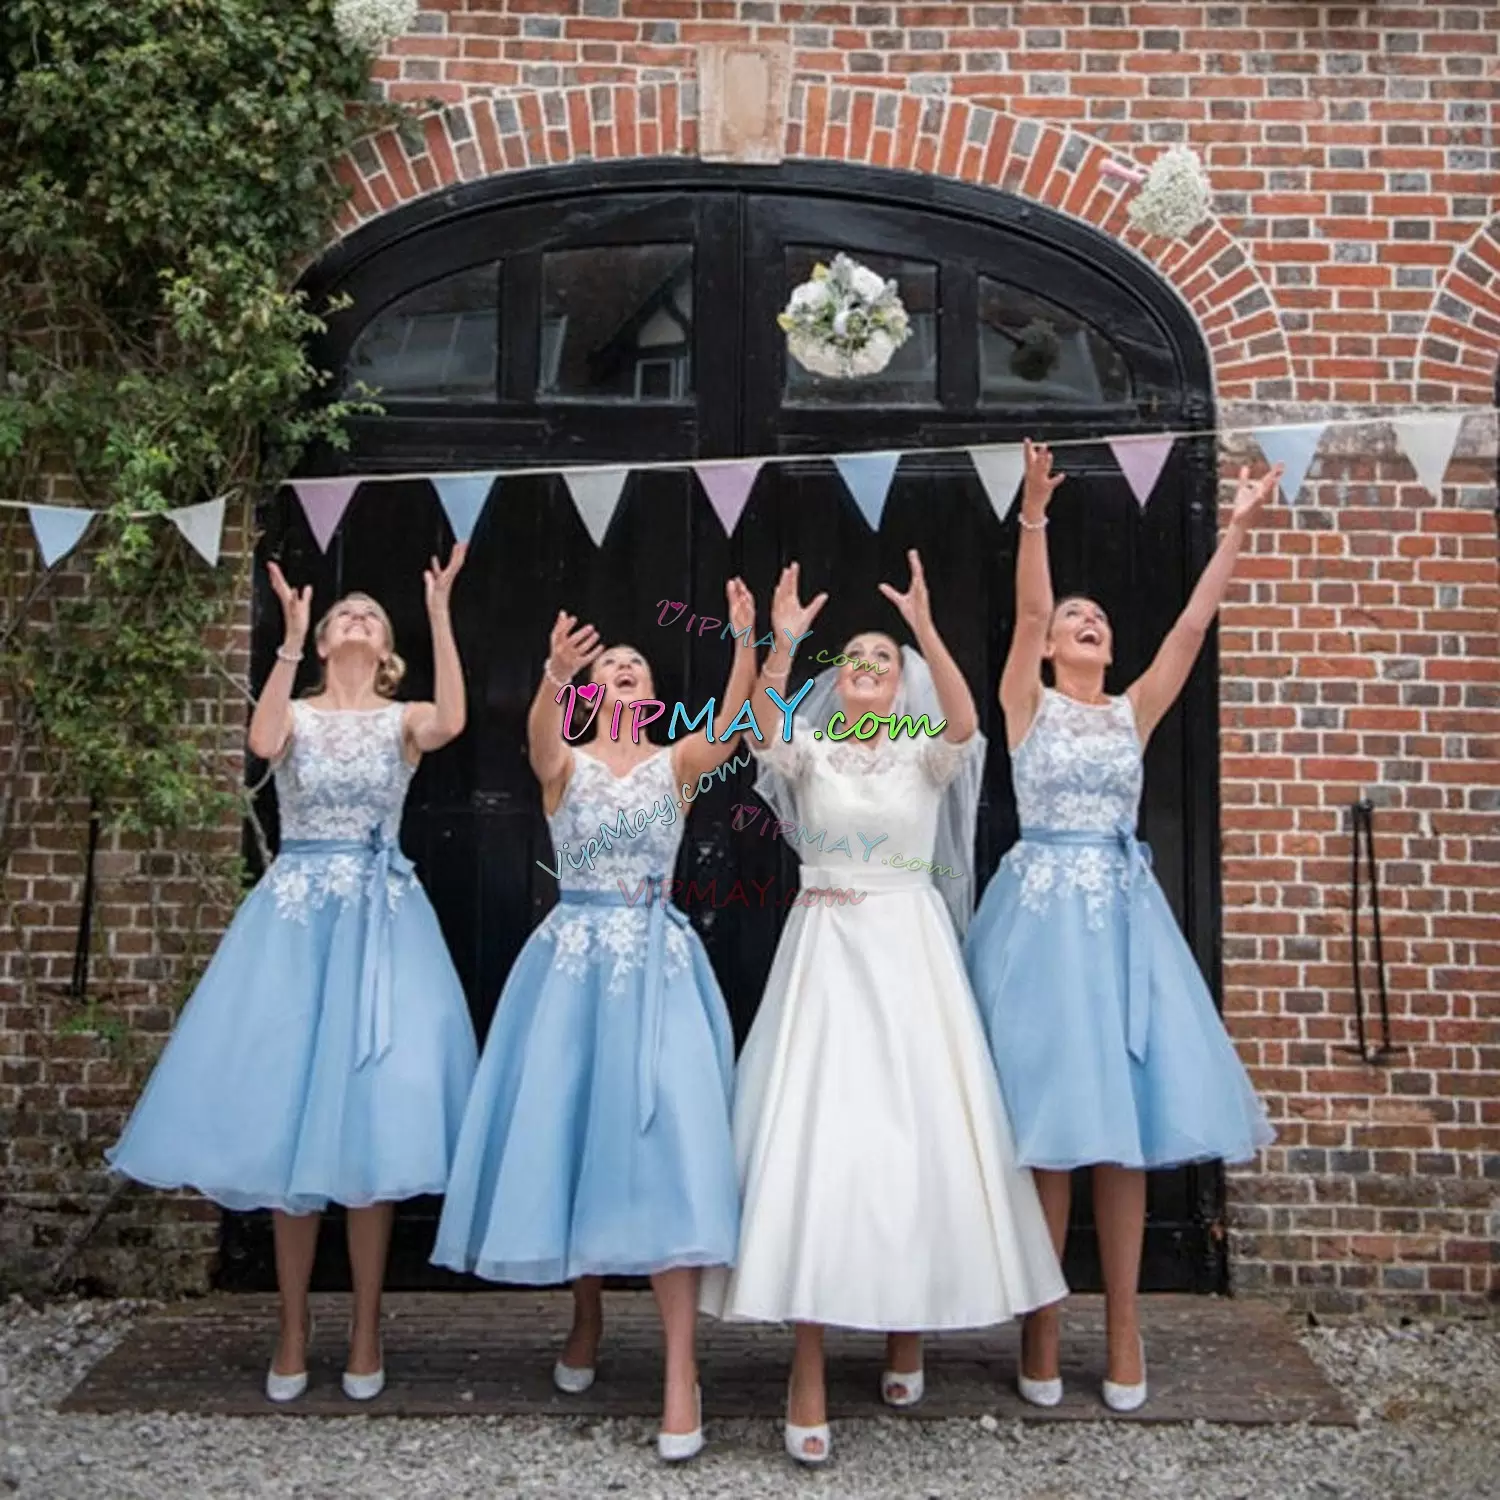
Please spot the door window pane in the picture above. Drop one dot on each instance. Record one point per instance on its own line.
(911, 377)
(617, 324)
(1031, 349)
(438, 343)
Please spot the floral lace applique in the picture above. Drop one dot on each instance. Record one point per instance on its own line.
(582, 934)
(304, 884)
(1048, 872)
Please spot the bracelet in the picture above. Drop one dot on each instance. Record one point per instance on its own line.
(1031, 525)
(547, 673)
(286, 655)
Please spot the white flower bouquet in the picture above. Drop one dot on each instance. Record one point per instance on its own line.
(368, 25)
(846, 321)
(1176, 198)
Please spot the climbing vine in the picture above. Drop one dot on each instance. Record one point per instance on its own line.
(165, 174)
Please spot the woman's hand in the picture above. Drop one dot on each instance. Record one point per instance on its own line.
(439, 580)
(741, 603)
(296, 607)
(1040, 480)
(788, 613)
(1253, 495)
(571, 650)
(915, 604)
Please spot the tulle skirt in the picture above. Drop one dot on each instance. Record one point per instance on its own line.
(596, 1140)
(281, 1086)
(1089, 1072)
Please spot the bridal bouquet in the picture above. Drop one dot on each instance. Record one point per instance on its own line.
(1176, 198)
(846, 321)
(368, 25)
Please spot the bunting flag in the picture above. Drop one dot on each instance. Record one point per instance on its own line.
(1141, 460)
(728, 489)
(57, 529)
(203, 526)
(1293, 446)
(324, 502)
(596, 493)
(462, 497)
(1000, 471)
(867, 477)
(1428, 442)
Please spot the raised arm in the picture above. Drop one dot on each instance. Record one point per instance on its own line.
(430, 726)
(551, 759)
(1021, 680)
(793, 620)
(953, 692)
(695, 757)
(271, 723)
(1154, 692)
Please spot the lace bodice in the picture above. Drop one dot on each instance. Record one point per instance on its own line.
(1079, 766)
(343, 773)
(1079, 769)
(645, 844)
(639, 811)
(869, 804)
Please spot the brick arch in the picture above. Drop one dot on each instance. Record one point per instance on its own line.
(1458, 355)
(530, 129)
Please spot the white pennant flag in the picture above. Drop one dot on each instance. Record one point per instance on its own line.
(203, 526)
(596, 493)
(1428, 441)
(1000, 471)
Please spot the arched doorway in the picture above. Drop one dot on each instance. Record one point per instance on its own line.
(627, 313)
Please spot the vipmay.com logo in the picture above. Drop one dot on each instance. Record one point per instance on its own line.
(644, 711)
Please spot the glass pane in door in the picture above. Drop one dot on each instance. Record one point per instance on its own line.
(1031, 349)
(617, 324)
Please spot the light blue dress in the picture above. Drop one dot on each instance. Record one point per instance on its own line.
(597, 1140)
(327, 1053)
(1104, 1034)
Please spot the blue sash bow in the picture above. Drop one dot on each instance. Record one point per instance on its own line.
(373, 1020)
(662, 912)
(1137, 867)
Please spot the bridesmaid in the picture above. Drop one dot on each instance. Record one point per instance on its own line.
(327, 1052)
(1110, 1052)
(880, 1188)
(596, 1141)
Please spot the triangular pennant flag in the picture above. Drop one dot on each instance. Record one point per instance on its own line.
(462, 497)
(57, 529)
(1293, 446)
(1000, 471)
(1428, 441)
(728, 489)
(596, 493)
(203, 526)
(868, 477)
(324, 502)
(1141, 460)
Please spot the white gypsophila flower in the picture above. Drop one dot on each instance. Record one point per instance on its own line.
(1176, 196)
(370, 24)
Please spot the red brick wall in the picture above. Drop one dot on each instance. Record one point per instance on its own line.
(1353, 262)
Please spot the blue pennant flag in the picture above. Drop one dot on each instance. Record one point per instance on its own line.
(462, 497)
(58, 529)
(1296, 447)
(868, 477)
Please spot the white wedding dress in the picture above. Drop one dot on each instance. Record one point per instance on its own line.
(879, 1183)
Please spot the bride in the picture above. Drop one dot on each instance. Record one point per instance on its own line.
(879, 1185)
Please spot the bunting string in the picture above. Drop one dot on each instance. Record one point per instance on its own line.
(1427, 436)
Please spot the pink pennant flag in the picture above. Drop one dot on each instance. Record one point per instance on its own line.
(1141, 460)
(324, 502)
(728, 489)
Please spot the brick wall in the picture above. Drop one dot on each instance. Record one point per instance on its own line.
(1353, 262)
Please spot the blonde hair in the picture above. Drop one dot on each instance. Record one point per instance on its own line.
(389, 673)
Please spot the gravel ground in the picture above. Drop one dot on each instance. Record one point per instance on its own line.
(1428, 1399)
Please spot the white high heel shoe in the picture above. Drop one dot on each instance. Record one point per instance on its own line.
(1126, 1397)
(280, 1388)
(914, 1382)
(1038, 1392)
(572, 1380)
(797, 1438)
(677, 1447)
(365, 1387)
